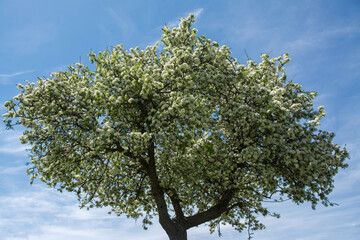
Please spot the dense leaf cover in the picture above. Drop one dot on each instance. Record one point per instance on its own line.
(178, 130)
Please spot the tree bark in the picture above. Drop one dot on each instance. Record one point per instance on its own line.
(178, 232)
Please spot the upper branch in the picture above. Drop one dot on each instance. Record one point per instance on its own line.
(175, 200)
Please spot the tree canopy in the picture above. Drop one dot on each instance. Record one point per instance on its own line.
(179, 130)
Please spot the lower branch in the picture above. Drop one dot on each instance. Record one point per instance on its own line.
(210, 214)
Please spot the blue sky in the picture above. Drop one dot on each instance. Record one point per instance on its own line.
(322, 37)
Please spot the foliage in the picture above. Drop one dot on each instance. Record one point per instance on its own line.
(181, 130)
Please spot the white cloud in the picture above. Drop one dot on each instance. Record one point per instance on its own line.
(309, 224)
(12, 170)
(75, 213)
(4, 78)
(197, 13)
(10, 143)
(14, 74)
(42, 213)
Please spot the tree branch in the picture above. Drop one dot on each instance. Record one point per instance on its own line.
(175, 200)
(210, 214)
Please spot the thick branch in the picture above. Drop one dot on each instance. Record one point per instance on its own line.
(210, 214)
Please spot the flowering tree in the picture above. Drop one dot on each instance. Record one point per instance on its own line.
(184, 132)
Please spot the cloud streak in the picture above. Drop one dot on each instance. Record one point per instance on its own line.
(14, 74)
(45, 214)
(197, 13)
(10, 144)
(4, 78)
(126, 26)
(315, 39)
(12, 170)
(31, 38)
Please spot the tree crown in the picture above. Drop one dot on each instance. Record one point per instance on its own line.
(186, 122)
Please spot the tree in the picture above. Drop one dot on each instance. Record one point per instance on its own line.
(184, 132)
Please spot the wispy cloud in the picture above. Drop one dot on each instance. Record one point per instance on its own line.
(309, 224)
(10, 143)
(12, 170)
(197, 13)
(30, 38)
(105, 31)
(14, 74)
(44, 214)
(4, 78)
(314, 38)
(126, 26)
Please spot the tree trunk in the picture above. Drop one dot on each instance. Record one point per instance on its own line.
(177, 233)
